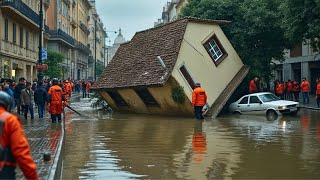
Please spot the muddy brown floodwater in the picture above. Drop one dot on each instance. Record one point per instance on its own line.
(118, 146)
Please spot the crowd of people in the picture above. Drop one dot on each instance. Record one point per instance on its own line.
(289, 90)
(25, 95)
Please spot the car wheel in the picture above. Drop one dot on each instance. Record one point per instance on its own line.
(272, 113)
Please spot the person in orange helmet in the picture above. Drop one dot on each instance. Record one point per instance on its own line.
(305, 85)
(199, 99)
(318, 92)
(14, 147)
(55, 101)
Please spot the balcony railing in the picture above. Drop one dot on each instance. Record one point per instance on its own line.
(17, 51)
(83, 47)
(62, 35)
(84, 28)
(21, 7)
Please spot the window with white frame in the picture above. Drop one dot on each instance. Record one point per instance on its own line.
(215, 50)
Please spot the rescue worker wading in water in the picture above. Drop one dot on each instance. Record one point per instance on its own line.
(14, 147)
(55, 101)
(199, 99)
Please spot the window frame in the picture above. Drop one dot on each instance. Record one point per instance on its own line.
(253, 97)
(152, 103)
(6, 29)
(219, 45)
(14, 33)
(21, 36)
(190, 82)
(247, 97)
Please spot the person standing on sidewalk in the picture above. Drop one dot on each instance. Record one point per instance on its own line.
(55, 101)
(27, 96)
(10, 92)
(296, 90)
(253, 85)
(17, 93)
(14, 147)
(199, 99)
(305, 85)
(318, 92)
(40, 99)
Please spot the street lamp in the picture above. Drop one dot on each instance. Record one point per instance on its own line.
(40, 75)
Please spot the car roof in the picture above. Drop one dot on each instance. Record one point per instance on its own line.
(257, 94)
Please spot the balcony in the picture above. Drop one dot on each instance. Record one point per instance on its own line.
(14, 50)
(84, 28)
(73, 23)
(18, 7)
(83, 47)
(61, 35)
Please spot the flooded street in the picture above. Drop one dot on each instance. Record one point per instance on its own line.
(117, 146)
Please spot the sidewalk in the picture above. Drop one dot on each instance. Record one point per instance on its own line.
(312, 104)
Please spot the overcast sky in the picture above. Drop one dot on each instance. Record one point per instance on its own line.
(129, 15)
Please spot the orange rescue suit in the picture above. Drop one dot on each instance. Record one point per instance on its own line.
(279, 88)
(253, 87)
(199, 97)
(305, 86)
(56, 94)
(13, 136)
(318, 89)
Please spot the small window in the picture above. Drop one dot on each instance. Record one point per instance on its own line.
(146, 97)
(21, 36)
(27, 39)
(117, 98)
(14, 33)
(244, 100)
(215, 50)
(187, 76)
(254, 100)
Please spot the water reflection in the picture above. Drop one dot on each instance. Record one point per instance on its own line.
(152, 147)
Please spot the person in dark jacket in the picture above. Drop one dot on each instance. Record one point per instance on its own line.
(17, 93)
(40, 99)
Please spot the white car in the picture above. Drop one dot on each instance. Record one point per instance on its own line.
(263, 103)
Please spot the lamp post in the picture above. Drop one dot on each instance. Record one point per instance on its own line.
(40, 74)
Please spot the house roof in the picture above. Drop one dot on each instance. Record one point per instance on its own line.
(135, 62)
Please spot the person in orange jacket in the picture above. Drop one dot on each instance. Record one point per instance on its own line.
(305, 85)
(318, 92)
(199, 99)
(289, 90)
(55, 101)
(253, 85)
(296, 90)
(88, 86)
(279, 89)
(14, 147)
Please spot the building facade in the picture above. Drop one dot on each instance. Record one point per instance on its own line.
(111, 50)
(301, 61)
(19, 31)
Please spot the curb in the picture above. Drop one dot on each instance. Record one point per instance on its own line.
(312, 108)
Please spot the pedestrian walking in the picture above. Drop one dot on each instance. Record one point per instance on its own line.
(55, 101)
(6, 88)
(253, 85)
(296, 90)
(318, 92)
(199, 99)
(17, 94)
(27, 98)
(40, 99)
(305, 85)
(14, 145)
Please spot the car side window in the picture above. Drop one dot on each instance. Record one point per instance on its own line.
(244, 101)
(254, 100)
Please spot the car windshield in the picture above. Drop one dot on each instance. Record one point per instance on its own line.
(268, 97)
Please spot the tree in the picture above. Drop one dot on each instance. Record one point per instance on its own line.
(301, 21)
(54, 60)
(255, 30)
(99, 69)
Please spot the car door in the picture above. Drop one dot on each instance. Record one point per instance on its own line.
(255, 105)
(242, 105)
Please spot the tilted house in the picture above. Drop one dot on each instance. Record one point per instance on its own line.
(143, 72)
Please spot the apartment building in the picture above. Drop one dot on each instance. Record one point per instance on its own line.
(301, 61)
(169, 12)
(97, 39)
(19, 31)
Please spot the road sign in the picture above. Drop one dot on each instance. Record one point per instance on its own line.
(44, 54)
(42, 66)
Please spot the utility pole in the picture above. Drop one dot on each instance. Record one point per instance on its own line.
(40, 75)
(95, 48)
